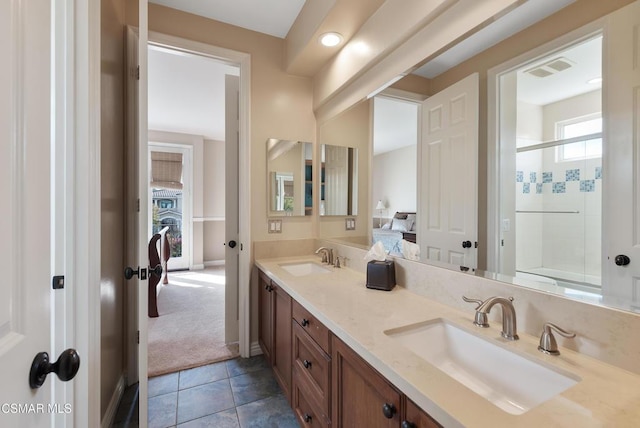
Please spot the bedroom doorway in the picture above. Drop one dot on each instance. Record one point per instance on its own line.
(187, 193)
(394, 169)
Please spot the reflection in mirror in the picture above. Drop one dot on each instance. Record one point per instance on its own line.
(289, 177)
(519, 241)
(338, 180)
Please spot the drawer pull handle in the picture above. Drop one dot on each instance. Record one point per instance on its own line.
(407, 424)
(307, 417)
(306, 364)
(305, 322)
(388, 410)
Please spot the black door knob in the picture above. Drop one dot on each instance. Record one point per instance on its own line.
(622, 260)
(388, 410)
(232, 244)
(129, 272)
(466, 244)
(65, 367)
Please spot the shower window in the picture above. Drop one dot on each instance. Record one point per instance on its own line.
(587, 149)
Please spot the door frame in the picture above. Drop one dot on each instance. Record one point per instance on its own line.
(494, 130)
(243, 61)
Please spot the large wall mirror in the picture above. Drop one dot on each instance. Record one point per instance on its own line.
(289, 178)
(556, 207)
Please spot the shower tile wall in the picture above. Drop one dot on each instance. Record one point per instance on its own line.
(565, 242)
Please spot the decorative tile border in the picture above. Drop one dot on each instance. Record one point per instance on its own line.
(570, 175)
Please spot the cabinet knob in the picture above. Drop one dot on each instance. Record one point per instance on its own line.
(388, 410)
(407, 424)
(306, 364)
(307, 417)
(305, 322)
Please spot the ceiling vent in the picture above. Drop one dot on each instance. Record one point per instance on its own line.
(550, 67)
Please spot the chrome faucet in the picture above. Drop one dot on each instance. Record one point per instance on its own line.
(327, 254)
(509, 330)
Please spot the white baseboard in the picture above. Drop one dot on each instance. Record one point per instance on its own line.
(110, 414)
(214, 263)
(197, 267)
(255, 349)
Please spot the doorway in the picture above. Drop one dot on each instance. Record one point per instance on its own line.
(551, 145)
(187, 148)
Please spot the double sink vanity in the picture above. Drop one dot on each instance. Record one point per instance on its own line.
(346, 355)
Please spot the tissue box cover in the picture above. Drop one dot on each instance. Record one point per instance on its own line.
(381, 275)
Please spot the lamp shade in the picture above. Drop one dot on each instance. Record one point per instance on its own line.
(380, 205)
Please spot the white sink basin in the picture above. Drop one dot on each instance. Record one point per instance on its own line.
(304, 268)
(510, 381)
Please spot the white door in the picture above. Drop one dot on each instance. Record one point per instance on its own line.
(232, 229)
(621, 160)
(447, 194)
(336, 180)
(32, 218)
(137, 206)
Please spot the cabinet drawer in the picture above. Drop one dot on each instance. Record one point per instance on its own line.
(312, 326)
(312, 367)
(418, 418)
(307, 413)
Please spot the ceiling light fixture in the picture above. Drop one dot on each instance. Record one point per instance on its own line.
(594, 81)
(331, 39)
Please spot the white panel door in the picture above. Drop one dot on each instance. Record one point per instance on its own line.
(232, 228)
(447, 198)
(31, 218)
(621, 172)
(336, 180)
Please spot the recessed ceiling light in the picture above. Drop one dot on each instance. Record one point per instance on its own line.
(330, 39)
(594, 80)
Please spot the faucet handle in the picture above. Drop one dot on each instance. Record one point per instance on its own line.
(481, 319)
(548, 344)
(468, 300)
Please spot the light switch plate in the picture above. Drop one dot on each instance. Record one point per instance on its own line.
(275, 226)
(350, 223)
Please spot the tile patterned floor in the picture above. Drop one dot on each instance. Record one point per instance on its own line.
(235, 393)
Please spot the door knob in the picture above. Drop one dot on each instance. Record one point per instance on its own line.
(622, 260)
(66, 367)
(129, 272)
(232, 244)
(466, 244)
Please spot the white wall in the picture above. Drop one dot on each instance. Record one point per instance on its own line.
(394, 178)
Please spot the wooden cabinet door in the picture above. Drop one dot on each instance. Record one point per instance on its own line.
(265, 334)
(415, 417)
(361, 396)
(281, 351)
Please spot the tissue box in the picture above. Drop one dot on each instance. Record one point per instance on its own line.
(381, 275)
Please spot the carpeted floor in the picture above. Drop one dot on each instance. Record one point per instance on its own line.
(190, 329)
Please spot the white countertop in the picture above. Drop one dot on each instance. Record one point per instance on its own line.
(605, 396)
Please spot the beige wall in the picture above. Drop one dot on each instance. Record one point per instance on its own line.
(394, 180)
(213, 203)
(350, 129)
(112, 199)
(566, 20)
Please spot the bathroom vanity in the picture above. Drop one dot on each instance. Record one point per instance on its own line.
(346, 355)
